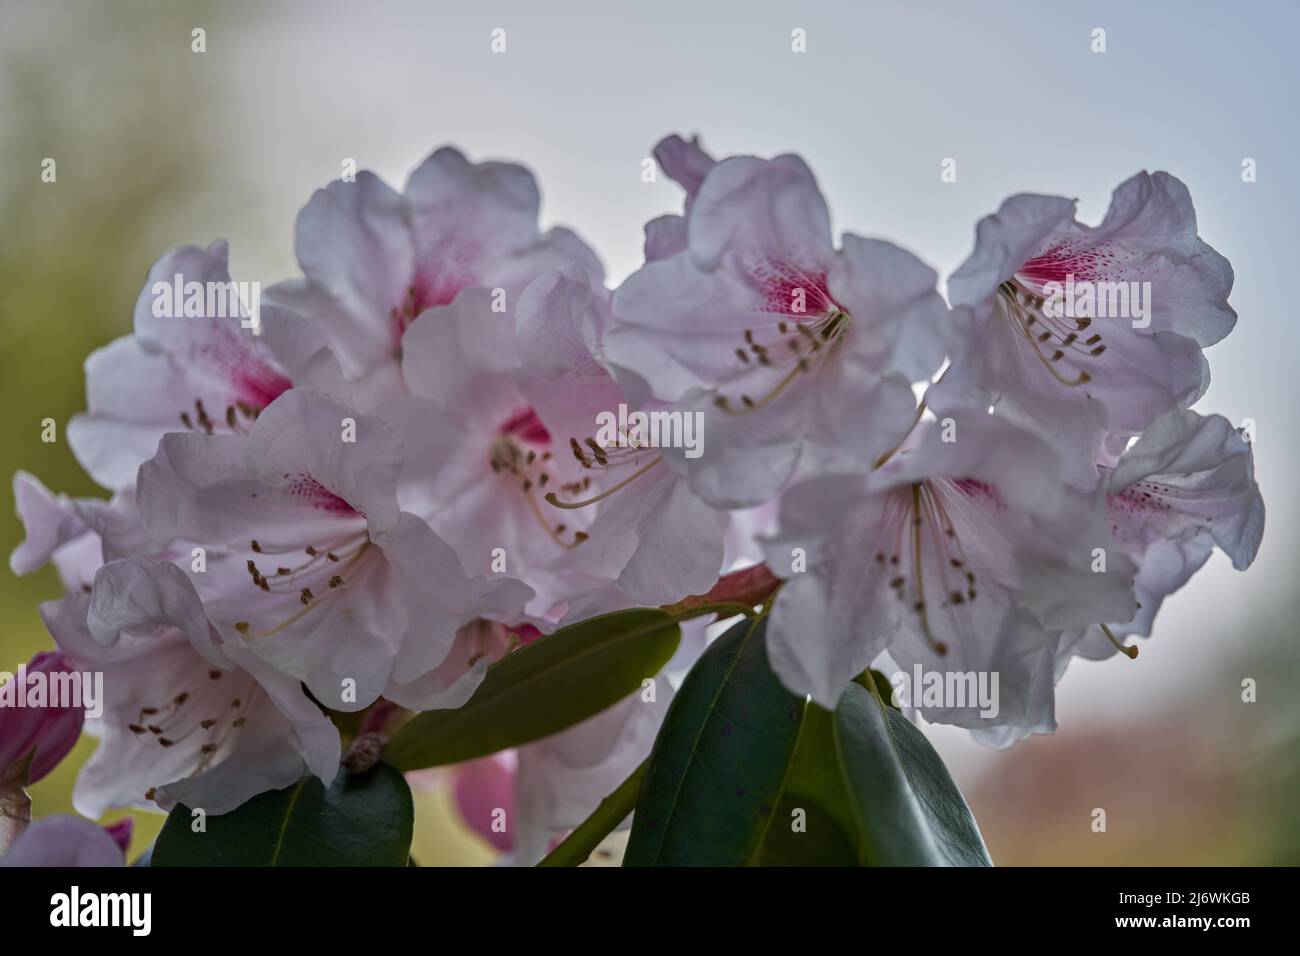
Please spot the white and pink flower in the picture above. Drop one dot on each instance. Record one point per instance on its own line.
(799, 354)
(1078, 377)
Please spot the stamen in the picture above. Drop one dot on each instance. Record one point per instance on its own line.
(553, 499)
(938, 646)
(1128, 650)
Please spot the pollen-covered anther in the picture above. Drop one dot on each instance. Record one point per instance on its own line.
(578, 453)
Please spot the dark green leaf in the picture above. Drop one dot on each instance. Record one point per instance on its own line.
(814, 824)
(908, 811)
(361, 820)
(718, 764)
(883, 687)
(543, 688)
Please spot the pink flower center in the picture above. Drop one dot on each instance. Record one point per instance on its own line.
(306, 487)
(527, 427)
(260, 385)
(529, 469)
(447, 268)
(809, 326)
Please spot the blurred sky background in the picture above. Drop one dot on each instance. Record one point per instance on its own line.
(158, 146)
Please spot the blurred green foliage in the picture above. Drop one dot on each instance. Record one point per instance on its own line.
(114, 95)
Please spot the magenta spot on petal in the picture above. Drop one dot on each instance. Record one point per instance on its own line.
(527, 427)
(973, 488)
(259, 386)
(782, 284)
(1063, 261)
(317, 495)
(443, 271)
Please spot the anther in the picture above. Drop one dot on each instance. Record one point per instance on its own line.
(1128, 650)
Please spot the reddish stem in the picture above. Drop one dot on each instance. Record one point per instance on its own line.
(749, 586)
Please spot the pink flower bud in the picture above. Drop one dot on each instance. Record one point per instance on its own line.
(45, 733)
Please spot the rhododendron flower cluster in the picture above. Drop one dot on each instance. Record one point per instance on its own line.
(363, 505)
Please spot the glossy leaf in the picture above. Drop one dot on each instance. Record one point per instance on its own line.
(361, 820)
(907, 809)
(718, 765)
(543, 688)
(814, 824)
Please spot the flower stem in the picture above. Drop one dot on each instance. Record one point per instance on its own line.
(723, 609)
(613, 810)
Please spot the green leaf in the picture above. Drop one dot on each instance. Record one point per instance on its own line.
(361, 820)
(543, 688)
(883, 687)
(716, 772)
(907, 810)
(814, 824)
(577, 847)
